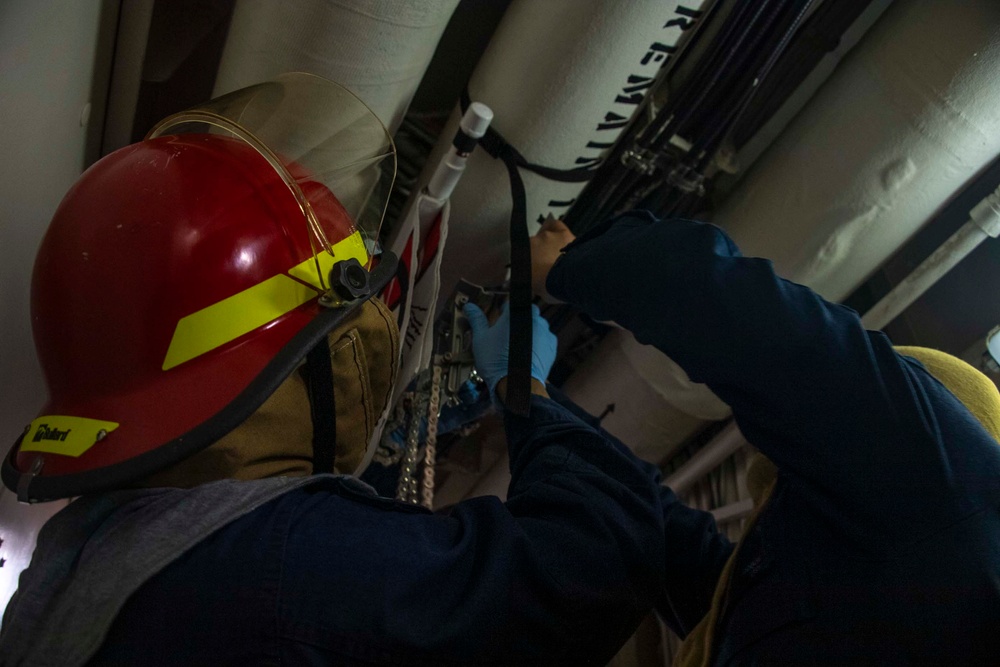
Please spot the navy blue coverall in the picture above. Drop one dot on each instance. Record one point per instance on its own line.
(881, 541)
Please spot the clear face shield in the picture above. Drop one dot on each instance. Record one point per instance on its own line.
(321, 140)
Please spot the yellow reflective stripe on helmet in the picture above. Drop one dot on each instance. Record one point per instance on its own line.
(352, 246)
(255, 306)
(61, 434)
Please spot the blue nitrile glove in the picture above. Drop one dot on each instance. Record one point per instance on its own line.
(490, 343)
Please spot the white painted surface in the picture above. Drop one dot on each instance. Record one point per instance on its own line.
(908, 118)
(48, 52)
(378, 49)
(556, 74)
(657, 407)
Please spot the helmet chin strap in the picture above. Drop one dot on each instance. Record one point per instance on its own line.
(319, 372)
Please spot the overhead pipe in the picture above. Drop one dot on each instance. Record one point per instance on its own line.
(893, 133)
(733, 511)
(379, 50)
(848, 183)
(984, 223)
(604, 60)
(706, 459)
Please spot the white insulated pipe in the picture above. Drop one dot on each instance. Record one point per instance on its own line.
(908, 118)
(563, 78)
(656, 406)
(984, 223)
(733, 511)
(377, 49)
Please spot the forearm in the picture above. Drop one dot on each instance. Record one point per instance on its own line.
(694, 550)
(596, 513)
(823, 398)
(684, 288)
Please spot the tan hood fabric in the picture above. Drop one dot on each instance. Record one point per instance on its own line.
(976, 391)
(276, 440)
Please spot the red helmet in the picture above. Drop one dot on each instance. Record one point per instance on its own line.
(184, 277)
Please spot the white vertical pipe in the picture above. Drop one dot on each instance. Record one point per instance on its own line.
(733, 511)
(984, 224)
(475, 122)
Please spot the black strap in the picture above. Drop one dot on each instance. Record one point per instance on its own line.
(322, 404)
(464, 143)
(403, 280)
(518, 398)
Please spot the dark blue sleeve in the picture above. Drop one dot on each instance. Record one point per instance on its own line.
(879, 445)
(560, 574)
(695, 550)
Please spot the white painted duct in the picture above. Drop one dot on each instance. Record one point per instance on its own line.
(562, 77)
(378, 49)
(657, 407)
(910, 116)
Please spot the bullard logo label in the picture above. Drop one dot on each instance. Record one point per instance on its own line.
(46, 433)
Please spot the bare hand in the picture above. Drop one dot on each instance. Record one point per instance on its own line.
(545, 250)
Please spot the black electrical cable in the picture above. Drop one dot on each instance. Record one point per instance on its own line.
(729, 47)
(706, 108)
(583, 213)
(720, 72)
(760, 54)
(740, 72)
(694, 79)
(818, 36)
(707, 148)
(711, 144)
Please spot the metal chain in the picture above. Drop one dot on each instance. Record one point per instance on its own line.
(407, 489)
(426, 400)
(430, 453)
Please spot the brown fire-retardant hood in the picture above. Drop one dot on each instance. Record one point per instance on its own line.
(276, 440)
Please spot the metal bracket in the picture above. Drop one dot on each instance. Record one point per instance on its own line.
(24, 483)
(453, 344)
(686, 179)
(641, 160)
